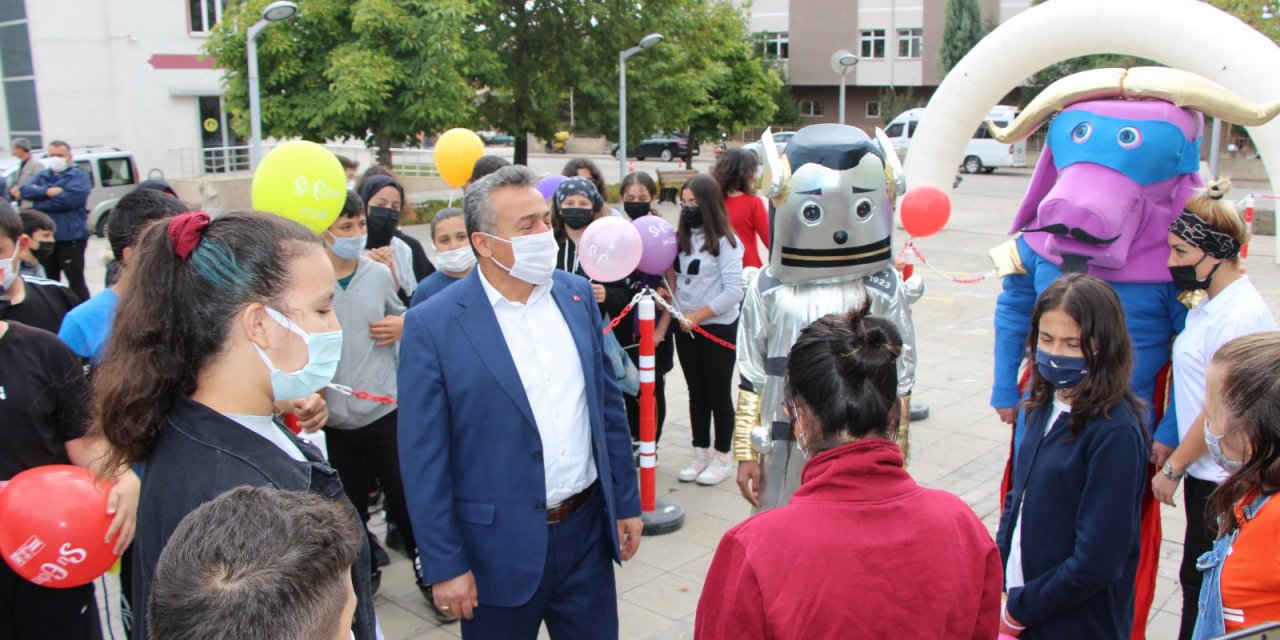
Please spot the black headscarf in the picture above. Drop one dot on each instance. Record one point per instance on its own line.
(376, 183)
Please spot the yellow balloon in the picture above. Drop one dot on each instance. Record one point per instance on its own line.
(301, 181)
(456, 153)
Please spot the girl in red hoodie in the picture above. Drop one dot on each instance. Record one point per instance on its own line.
(861, 551)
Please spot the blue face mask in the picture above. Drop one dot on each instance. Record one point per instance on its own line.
(348, 248)
(323, 352)
(1063, 372)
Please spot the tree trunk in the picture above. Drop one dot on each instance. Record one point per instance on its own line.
(383, 142)
(522, 149)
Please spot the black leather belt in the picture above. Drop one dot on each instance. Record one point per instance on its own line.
(568, 506)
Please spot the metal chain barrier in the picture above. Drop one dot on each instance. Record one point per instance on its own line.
(970, 279)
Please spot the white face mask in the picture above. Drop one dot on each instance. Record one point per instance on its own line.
(9, 269)
(457, 260)
(57, 164)
(535, 257)
(348, 248)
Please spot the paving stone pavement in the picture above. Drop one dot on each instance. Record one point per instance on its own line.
(962, 447)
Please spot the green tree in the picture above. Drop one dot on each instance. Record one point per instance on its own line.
(964, 28)
(1250, 11)
(787, 112)
(894, 101)
(381, 71)
(705, 78)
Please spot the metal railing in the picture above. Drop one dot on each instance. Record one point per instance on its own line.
(406, 162)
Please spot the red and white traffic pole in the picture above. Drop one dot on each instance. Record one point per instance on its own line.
(648, 410)
(659, 516)
(1248, 223)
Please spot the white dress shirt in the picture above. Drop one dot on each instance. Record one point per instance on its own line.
(546, 358)
(266, 427)
(1236, 311)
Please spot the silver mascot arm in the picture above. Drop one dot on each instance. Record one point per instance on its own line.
(751, 357)
(895, 306)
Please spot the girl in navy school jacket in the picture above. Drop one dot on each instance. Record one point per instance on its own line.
(1069, 531)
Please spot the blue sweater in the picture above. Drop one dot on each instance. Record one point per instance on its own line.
(1080, 499)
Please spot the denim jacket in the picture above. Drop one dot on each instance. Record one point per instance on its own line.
(1210, 623)
(201, 454)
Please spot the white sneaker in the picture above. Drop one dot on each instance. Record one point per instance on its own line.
(721, 467)
(701, 458)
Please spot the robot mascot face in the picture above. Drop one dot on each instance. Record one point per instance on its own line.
(832, 194)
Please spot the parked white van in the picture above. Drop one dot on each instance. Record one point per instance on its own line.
(983, 153)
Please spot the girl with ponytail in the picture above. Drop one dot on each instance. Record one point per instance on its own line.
(225, 318)
(861, 550)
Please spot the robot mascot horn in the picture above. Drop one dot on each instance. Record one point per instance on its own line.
(832, 220)
(1120, 162)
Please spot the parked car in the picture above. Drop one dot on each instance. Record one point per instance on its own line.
(497, 138)
(780, 140)
(981, 154)
(112, 172)
(667, 146)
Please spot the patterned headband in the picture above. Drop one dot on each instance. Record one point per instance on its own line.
(578, 185)
(1191, 228)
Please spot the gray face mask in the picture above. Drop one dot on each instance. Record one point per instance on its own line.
(1214, 443)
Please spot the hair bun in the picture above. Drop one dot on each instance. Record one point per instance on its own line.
(1217, 189)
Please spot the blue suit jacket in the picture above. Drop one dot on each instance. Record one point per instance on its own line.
(471, 453)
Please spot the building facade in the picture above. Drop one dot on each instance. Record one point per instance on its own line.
(896, 42)
(124, 73)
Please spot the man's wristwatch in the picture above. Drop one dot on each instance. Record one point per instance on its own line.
(1167, 470)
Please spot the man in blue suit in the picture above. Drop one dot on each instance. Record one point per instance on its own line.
(514, 445)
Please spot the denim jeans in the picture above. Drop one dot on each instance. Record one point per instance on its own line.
(1210, 623)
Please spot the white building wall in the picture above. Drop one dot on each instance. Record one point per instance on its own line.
(96, 82)
(889, 15)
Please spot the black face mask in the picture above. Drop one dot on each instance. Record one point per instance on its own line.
(1184, 276)
(43, 251)
(636, 210)
(691, 216)
(382, 223)
(575, 217)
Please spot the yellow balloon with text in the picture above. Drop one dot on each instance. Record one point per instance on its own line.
(456, 153)
(301, 181)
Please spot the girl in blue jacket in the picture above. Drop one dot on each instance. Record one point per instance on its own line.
(1079, 474)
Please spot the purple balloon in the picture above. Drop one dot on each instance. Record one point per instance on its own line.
(548, 185)
(659, 241)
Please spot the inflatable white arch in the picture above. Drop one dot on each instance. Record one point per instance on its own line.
(1184, 34)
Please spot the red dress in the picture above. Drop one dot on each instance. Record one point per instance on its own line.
(750, 220)
(861, 551)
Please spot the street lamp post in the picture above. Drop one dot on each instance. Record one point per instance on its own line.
(274, 12)
(645, 43)
(842, 62)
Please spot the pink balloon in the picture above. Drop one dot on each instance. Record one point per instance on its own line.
(659, 241)
(610, 249)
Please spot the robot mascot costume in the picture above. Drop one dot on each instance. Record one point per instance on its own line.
(1122, 158)
(832, 220)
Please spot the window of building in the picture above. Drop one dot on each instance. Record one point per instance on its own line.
(873, 109)
(15, 50)
(224, 150)
(204, 14)
(20, 98)
(775, 45)
(873, 44)
(910, 43)
(812, 108)
(12, 10)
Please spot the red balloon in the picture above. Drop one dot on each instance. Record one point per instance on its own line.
(925, 211)
(55, 519)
